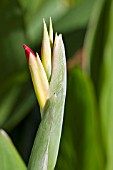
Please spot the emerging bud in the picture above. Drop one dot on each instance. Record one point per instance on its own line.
(46, 52)
(38, 76)
(42, 71)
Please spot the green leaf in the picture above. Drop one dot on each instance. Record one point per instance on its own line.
(12, 64)
(99, 50)
(7, 103)
(17, 98)
(9, 157)
(20, 111)
(80, 143)
(95, 42)
(106, 94)
(12, 37)
(46, 145)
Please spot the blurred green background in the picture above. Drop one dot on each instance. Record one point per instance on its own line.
(87, 28)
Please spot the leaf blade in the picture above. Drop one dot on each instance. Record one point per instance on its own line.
(9, 157)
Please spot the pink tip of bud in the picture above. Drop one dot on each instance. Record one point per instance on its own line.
(27, 51)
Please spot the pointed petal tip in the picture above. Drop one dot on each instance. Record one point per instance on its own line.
(44, 21)
(51, 31)
(27, 51)
(50, 20)
(24, 46)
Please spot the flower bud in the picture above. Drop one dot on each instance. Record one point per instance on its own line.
(38, 76)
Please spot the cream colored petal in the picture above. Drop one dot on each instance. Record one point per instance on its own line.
(46, 52)
(51, 32)
(39, 79)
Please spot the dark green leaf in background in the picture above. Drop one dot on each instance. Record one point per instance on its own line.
(106, 95)
(80, 145)
(99, 53)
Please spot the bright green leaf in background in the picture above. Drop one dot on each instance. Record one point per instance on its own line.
(9, 157)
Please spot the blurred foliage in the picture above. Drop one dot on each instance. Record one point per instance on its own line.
(86, 25)
(79, 114)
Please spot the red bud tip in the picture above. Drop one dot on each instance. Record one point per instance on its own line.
(27, 51)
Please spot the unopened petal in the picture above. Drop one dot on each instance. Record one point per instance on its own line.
(39, 79)
(51, 32)
(46, 52)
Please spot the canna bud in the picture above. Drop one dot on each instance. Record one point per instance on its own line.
(51, 96)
